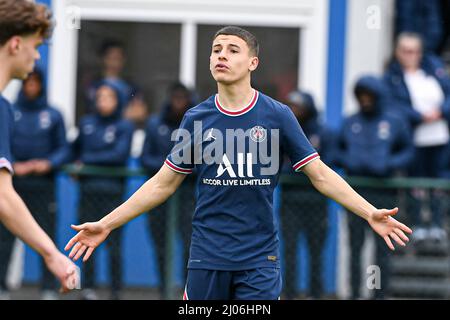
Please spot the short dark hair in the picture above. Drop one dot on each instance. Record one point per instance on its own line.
(245, 35)
(22, 18)
(110, 44)
(178, 87)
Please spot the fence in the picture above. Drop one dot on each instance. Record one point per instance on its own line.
(325, 252)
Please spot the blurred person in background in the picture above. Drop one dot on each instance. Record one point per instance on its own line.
(104, 140)
(113, 57)
(157, 146)
(419, 90)
(445, 174)
(421, 17)
(302, 208)
(39, 147)
(372, 143)
(24, 26)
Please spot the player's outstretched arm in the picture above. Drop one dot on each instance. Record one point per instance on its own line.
(15, 215)
(150, 195)
(333, 186)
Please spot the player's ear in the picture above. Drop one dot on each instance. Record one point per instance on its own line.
(254, 62)
(14, 45)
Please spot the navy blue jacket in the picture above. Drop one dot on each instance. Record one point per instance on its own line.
(400, 99)
(375, 144)
(422, 17)
(103, 141)
(317, 133)
(446, 163)
(158, 143)
(38, 131)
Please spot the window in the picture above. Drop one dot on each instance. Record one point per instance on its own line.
(152, 57)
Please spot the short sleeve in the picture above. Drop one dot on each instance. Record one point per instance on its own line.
(294, 141)
(5, 146)
(181, 157)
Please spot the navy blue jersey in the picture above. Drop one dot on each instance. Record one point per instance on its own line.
(237, 157)
(6, 119)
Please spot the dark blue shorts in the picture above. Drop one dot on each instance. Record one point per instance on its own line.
(255, 284)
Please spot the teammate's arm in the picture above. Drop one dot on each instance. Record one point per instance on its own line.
(17, 218)
(151, 194)
(15, 215)
(330, 184)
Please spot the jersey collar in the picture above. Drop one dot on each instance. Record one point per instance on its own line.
(236, 113)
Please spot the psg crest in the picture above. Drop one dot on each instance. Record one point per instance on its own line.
(258, 134)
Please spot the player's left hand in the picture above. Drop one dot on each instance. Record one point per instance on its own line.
(64, 270)
(42, 167)
(90, 235)
(388, 228)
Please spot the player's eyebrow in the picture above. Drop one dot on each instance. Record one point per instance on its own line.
(231, 45)
(234, 45)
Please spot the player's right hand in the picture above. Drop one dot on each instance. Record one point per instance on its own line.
(90, 235)
(64, 269)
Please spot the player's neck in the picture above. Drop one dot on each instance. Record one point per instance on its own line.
(235, 97)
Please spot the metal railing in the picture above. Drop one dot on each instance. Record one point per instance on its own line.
(176, 202)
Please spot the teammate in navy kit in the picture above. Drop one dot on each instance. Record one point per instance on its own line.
(235, 140)
(23, 27)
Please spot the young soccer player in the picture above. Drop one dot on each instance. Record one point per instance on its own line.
(234, 140)
(23, 27)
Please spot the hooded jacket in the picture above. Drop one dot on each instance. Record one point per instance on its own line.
(316, 132)
(158, 143)
(38, 130)
(377, 143)
(400, 99)
(103, 141)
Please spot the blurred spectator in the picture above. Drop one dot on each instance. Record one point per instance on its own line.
(421, 17)
(39, 147)
(444, 47)
(420, 92)
(113, 62)
(372, 143)
(309, 213)
(157, 146)
(445, 173)
(104, 140)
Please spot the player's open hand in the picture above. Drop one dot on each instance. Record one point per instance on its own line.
(90, 235)
(388, 228)
(65, 270)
